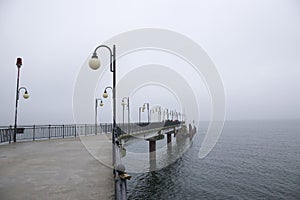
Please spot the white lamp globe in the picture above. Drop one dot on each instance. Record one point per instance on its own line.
(25, 95)
(94, 63)
(105, 95)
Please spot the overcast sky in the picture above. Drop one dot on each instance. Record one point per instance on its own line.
(255, 45)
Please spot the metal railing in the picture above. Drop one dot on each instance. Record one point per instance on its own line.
(37, 132)
(144, 126)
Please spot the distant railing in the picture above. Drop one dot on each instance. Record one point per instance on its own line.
(37, 132)
(145, 126)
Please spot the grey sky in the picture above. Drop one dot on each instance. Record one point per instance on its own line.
(254, 44)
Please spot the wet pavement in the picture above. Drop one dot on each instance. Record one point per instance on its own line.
(57, 169)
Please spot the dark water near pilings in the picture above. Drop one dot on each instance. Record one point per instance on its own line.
(252, 160)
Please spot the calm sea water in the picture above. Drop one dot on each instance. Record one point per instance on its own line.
(252, 160)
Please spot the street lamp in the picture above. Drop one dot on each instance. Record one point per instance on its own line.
(158, 110)
(94, 64)
(123, 103)
(173, 114)
(166, 111)
(25, 96)
(152, 111)
(146, 106)
(140, 110)
(96, 105)
(179, 117)
(105, 94)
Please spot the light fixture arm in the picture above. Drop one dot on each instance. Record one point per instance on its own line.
(18, 93)
(112, 56)
(108, 87)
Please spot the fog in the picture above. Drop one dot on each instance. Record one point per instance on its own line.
(254, 44)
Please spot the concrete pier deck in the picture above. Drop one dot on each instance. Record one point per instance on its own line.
(57, 169)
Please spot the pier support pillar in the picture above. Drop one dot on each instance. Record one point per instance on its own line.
(169, 138)
(152, 154)
(152, 149)
(169, 143)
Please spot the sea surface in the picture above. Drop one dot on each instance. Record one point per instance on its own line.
(251, 160)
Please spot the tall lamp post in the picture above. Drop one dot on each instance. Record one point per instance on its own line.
(179, 117)
(123, 103)
(146, 106)
(175, 115)
(140, 110)
(94, 64)
(166, 111)
(25, 95)
(158, 110)
(96, 113)
(172, 113)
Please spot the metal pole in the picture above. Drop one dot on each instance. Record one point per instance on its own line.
(96, 116)
(85, 130)
(128, 106)
(16, 108)
(148, 113)
(114, 104)
(49, 131)
(140, 115)
(33, 133)
(159, 114)
(123, 112)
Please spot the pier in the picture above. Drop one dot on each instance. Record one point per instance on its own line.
(56, 169)
(72, 161)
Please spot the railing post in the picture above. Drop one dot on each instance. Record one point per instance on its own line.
(49, 131)
(75, 129)
(85, 130)
(63, 126)
(33, 133)
(10, 132)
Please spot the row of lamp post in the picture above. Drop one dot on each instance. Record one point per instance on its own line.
(146, 106)
(142, 109)
(166, 113)
(94, 63)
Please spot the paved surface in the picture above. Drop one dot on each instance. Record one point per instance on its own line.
(57, 169)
